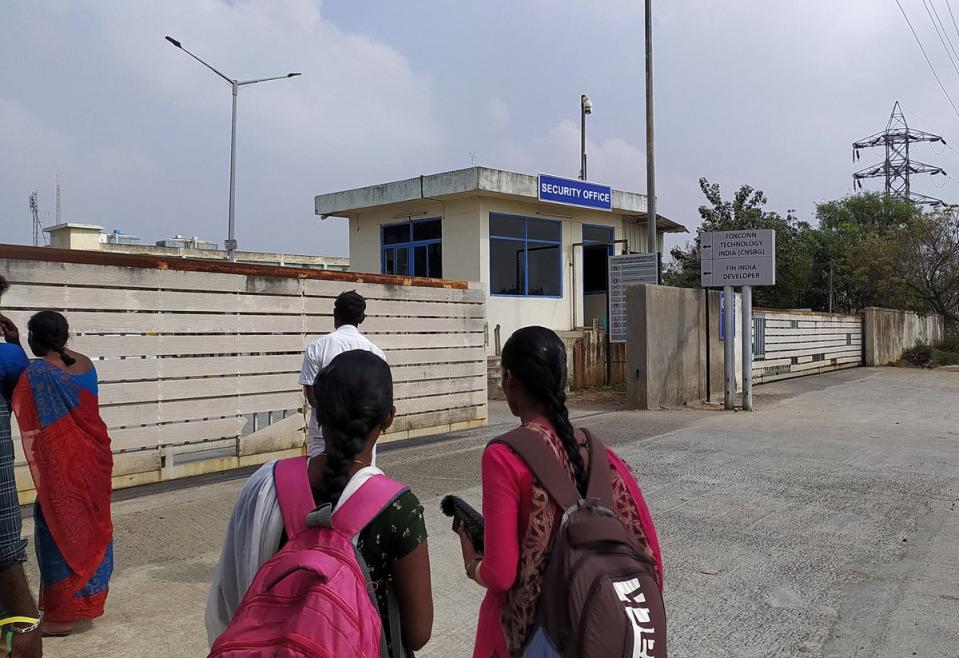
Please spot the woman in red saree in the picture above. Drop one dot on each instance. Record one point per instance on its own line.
(68, 449)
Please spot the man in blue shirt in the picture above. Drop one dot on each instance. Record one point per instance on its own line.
(15, 597)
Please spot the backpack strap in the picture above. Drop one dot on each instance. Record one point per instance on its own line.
(531, 448)
(374, 496)
(529, 445)
(292, 483)
(600, 479)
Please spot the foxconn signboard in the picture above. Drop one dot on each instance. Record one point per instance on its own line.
(738, 258)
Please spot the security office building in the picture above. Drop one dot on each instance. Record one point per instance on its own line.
(538, 244)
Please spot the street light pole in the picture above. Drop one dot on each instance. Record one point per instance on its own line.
(235, 85)
(231, 233)
(585, 107)
(652, 238)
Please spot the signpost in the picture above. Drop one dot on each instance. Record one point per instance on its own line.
(574, 192)
(738, 258)
(623, 271)
(722, 316)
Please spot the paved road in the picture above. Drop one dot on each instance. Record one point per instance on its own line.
(824, 524)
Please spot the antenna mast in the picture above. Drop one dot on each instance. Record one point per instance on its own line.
(39, 239)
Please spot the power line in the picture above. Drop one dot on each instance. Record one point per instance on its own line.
(953, 16)
(929, 123)
(928, 61)
(945, 32)
(939, 32)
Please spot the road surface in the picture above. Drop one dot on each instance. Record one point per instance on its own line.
(823, 524)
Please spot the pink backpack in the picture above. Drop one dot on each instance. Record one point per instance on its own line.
(314, 599)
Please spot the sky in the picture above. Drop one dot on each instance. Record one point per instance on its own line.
(769, 93)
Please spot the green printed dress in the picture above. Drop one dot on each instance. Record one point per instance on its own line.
(392, 535)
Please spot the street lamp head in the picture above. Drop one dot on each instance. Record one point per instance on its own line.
(293, 75)
(587, 104)
(174, 42)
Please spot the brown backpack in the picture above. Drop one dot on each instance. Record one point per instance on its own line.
(600, 597)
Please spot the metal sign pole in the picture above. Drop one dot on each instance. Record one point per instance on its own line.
(729, 348)
(747, 348)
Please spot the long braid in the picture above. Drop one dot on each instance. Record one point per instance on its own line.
(559, 417)
(354, 397)
(341, 449)
(537, 357)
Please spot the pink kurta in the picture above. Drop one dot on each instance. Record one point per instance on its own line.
(507, 502)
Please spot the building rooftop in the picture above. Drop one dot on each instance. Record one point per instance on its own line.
(467, 182)
(74, 226)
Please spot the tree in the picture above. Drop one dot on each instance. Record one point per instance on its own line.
(927, 262)
(856, 253)
(868, 250)
(746, 210)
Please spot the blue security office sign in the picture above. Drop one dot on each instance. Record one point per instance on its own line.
(575, 192)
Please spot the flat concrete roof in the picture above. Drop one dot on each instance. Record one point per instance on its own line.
(468, 182)
(73, 226)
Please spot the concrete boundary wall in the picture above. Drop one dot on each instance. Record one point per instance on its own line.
(673, 346)
(799, 343)
(666, 349)
(889, 332)
(198, 362)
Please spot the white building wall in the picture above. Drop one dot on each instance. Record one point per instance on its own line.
(466, 254)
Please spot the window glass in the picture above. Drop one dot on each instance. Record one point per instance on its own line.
(503, 226)
(419, 261)
(543, 229)
(396, 233)
(507, 267)
(435, 252)
(408, 249)
(597, 234)
(544, 269)
(429, 230)
(403, 261)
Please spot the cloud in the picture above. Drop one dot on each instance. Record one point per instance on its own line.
(139, 132)
(769, 94)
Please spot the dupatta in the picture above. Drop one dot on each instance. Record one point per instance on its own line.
(68, 449)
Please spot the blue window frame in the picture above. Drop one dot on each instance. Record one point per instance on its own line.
(597, 248)
(412, 248)
(525, 256)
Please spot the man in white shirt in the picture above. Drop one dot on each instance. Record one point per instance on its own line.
(349, 311)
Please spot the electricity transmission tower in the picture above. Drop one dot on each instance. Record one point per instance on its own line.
(39, 239)
(898, 166)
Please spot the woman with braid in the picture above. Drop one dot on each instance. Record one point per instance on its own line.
(520, 517)
(354, 406)
(68, 448)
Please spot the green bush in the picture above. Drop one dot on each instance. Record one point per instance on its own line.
(950, 343)
(945, 358)
(922, 355)
(919, 355)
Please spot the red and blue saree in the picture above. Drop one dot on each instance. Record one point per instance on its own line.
(67, 446)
